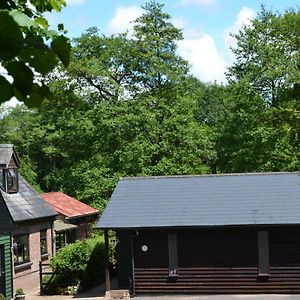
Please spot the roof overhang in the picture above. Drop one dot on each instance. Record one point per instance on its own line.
(60, 226)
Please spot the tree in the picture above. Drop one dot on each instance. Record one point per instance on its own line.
(157, 63)
(25, 53)
(267, 55)
(119, 66)
(101, 67)
(261, 130)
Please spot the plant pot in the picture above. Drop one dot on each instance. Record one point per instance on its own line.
(19, 297)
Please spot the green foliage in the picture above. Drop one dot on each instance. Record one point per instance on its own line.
(24, 33)
(73, 258)
(128, 107)
(267, 54)
(261, 131)
(85, 260)
(2, 297)
(157, 63)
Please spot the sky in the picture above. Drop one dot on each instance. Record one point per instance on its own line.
(206, 25)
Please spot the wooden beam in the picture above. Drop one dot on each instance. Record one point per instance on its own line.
(263, 254)
(107, 275)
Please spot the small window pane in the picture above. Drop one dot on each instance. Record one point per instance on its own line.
(43, 242)
(21, 249)
(1, 178)
(60, 240)
(12, 180)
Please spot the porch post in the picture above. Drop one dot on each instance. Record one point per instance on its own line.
(107, 277)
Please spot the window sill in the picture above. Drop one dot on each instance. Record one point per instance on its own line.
(24, 266)
(45, 256)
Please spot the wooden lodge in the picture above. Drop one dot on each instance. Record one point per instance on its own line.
(214, 234)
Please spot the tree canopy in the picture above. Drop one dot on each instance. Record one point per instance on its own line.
(128, 106)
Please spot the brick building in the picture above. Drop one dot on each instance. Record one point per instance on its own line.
(75, 218)
(32, 217)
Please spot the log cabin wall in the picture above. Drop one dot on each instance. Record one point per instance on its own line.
(212, 261)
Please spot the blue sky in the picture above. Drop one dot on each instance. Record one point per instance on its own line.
(206, 25)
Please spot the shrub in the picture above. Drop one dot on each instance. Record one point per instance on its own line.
(83, 260)
(2, 297)
(20, 291)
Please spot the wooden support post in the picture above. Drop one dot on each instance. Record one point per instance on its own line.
(41, 278)
(107, 276)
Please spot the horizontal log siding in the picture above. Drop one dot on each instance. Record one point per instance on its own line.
(217, 281)
(218, 262)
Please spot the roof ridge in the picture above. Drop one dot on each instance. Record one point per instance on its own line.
(208, 175)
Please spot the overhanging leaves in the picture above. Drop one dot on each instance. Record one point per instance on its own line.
(21, 19)
(61, 46)
(10, 37)
(22, 75)
(43, 60)
(5, 88)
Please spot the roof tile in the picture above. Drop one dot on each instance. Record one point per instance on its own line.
(211, 200)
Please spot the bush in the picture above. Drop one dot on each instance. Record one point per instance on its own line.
(94, 273)
(83, 260)
(2, 297)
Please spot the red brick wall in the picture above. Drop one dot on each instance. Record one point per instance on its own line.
(29, 275)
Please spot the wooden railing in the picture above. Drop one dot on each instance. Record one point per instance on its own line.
(46, 270)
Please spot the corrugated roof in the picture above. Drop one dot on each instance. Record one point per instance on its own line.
(68, 206)
(60, 226)
(214, 200)
(27, 204)
(6, 153)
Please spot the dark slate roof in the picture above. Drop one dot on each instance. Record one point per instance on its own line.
(212, 200)
(6, 153)
(27, 204)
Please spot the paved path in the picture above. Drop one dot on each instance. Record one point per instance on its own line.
(96, 293)
(223, 297)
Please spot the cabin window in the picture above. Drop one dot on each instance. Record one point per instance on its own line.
(263, 254)
(173, 257)
(43, 242)
(21, 249)
(2, 179)
(60, 240)
(12, 181)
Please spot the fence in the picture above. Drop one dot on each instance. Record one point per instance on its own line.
(48, 279)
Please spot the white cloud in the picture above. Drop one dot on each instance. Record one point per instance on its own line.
(123, 18)
(179, 22)
(243, 18)
(199, 2)
(75, 2)
(207, 64)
